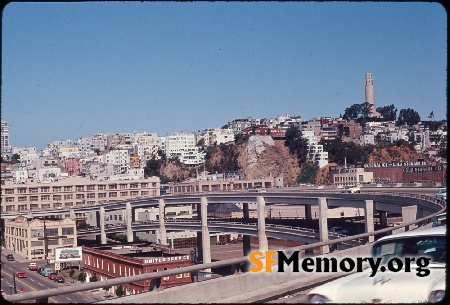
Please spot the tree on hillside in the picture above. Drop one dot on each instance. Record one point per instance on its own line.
(352, 112)
(388, 112)
(308, 173)
(408, 116)
(120, 291)
(296, 143)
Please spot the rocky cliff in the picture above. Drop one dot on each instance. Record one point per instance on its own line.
(262, 156)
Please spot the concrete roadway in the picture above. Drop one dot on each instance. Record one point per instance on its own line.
(35, 281)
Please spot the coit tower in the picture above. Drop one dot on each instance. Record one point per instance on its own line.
(370, 94)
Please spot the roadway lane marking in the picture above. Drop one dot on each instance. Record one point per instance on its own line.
(31, 288)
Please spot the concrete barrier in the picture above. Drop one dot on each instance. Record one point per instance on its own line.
(243, 288)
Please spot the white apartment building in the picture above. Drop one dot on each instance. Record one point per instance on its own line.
(218, 136)
(367, 139)
(20, 176)
(240, 124)
(28, 156)
(317, 154)
(184, 146)
(74, 191)
(120, 158)
(95, 142)
(4, 136)
(26, 237)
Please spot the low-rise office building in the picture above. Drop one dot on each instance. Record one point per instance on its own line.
(74, 191)
(128, 259)
(37, 239)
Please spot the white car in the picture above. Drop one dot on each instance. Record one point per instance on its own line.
(351, 189)
(442, 193)
(394, 286)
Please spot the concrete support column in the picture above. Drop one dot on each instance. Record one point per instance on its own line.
(308, 211)
(246, 239)
(102, 226)
(409, 214)
(262, 238)
(129, 220)
(162, 226)
(383, 219)
(368, 214)
(323, 224)
(206, 241)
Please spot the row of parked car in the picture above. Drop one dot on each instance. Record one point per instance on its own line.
(47, 272)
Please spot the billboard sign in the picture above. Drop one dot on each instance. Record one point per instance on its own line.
(72, 254)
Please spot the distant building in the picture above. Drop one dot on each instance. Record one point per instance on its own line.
(4, 136)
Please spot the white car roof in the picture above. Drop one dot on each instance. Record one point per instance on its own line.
(441, 230)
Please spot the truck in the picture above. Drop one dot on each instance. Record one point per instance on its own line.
(32, 266)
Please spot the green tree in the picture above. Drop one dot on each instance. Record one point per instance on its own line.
(388, 112)
(120, 291)
(93, 278)
(352, 112)
(308, 173)
(15, 158)
(408, 116)
(81, 276)
(71, 273)
(296, 143)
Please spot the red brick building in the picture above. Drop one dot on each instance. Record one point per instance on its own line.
(128, 259)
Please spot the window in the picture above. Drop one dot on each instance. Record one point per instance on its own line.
(91, 187)
(53, 242)
(33, 190)
(45, 197)
(112, 194)
(56, 189)
(51, 232)
(68, 197)
(67, 188)
(45, 189)
(80, 196)
(9, 191)
(101, 195)
(80, 188)
(102, 187)
(67, 231)
(113, 186)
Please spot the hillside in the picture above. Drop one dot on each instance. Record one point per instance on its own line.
(262, 156)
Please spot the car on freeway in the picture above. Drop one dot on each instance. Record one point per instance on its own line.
(21, 274)
(52, 275)
(32, 266)
(338, 230)
(351, 189)
(60, 279)
(9, 257)
(394, 286)
(440, 220)
(442, 193)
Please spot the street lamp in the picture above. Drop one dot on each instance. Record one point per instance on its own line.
(194, 259)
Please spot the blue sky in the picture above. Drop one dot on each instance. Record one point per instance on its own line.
(70, 70)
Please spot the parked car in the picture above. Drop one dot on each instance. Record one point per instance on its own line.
(21, 274)
(52, 275)
(9, 257)
(39, 270)
(32, 266)
(46, 271)
(3, 292)
(60, 279)
(390, 286)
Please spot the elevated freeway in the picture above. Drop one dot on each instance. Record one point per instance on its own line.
(417, 210)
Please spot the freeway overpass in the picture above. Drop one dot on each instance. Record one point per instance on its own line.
(423, 208)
